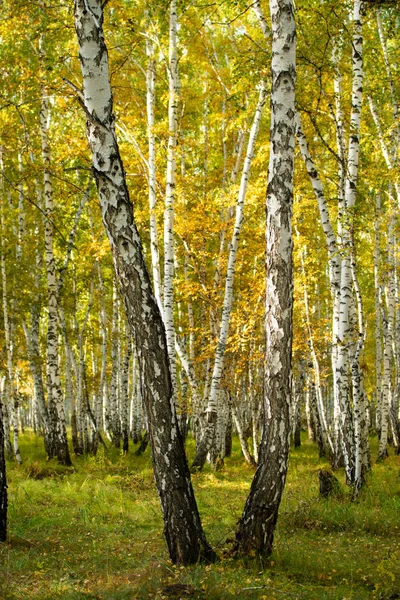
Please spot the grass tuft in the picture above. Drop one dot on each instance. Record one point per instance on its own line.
(94, 531)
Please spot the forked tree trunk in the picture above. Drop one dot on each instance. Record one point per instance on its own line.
(182, 527)
(257, 525)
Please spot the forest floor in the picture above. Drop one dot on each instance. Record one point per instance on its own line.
(94, 531)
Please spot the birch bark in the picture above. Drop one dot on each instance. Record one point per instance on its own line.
(390, 160)
(388, 329)
(347, 337)
(10, 380)
(168, 300)
(345, 332)
(382, 38)
(327, 443)
(3, 482)
(257, 525)
(334, 278)
(114, 397)
(124, 401)
(182, 527)
(58, 444)
(211, 410)
(150, 102)
(103, 333)
(378, 317)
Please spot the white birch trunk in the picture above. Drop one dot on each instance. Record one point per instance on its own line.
(10, 379)
(361, 430)
(182, 526)
(257, 525)
(390, 161)
(388, 329)
(168, 300)
(124, 402)
(55, 397)
(3, 478)
(242, 439)
(211, 410)
(389, 75)
(335, 266)
(258, 11)
(150, 98)
(326, 437)
(136, 418)
(378, 318)
(336, 292)
(102, 391)
(114, 398)
(345, 333)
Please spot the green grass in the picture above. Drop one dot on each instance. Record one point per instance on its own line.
(94, 531)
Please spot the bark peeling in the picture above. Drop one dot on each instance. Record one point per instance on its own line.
(182, 527)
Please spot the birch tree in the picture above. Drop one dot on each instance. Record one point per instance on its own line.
(211, 410)
(182, 527)
(150, 103)
(168, 299)
(257, 525)
(58, 444)
(3, 482)
(348, 335)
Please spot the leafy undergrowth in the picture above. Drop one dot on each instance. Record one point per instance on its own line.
(94, 531)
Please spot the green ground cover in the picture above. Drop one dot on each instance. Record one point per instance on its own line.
(95, 532)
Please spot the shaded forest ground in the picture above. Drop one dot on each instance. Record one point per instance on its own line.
(95, 532)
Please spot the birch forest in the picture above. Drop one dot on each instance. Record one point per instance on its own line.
(199, 266)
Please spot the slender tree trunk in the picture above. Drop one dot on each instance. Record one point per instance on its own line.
(136, 417)
(378, 319)
(59, 444)
(257, 525)
(32, 343)
(168, 301)
(182, 527)
(361, 441)
(298, 401)
(103, 333)
(347, 329)
(124, 409)
(243, 440)
(10, 380)
(211, 410)
(114, 398)
(3, 483)
(389, 331)
(328, 448)
(309, 412)
(390, 157)
(6, 418)
(334, 278)
(395, 104)
(155, 255)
